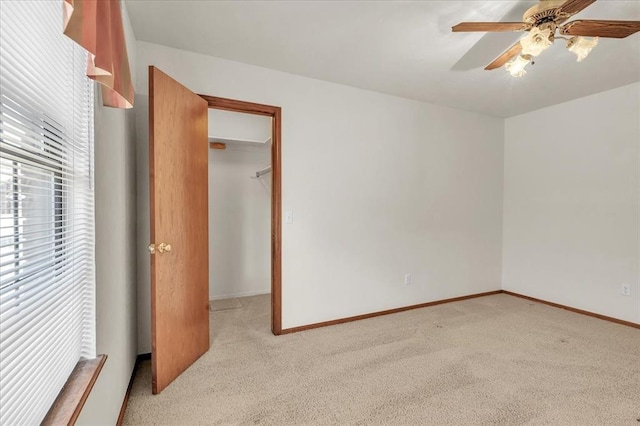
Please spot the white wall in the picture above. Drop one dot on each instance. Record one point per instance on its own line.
(239, 222)
(379, 186)
(571, 203)
(115, 203)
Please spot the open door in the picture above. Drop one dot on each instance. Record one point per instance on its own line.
(178, 168)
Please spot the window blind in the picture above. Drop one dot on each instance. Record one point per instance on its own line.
(47, 320)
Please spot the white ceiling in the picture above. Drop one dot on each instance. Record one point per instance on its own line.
(400, 48)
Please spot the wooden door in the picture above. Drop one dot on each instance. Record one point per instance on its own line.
(178, 168)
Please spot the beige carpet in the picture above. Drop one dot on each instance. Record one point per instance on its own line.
(225, 304)
(492, 360)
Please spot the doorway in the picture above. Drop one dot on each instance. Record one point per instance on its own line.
(215, 103)
(178, 202)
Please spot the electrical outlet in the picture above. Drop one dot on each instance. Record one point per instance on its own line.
(407, 279)
(625, 290)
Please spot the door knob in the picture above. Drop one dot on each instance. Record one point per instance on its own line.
(163, 247)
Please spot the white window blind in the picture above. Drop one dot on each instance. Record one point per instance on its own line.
(47, 320)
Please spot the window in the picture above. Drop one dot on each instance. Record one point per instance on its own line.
(31, 218)
(47, 319)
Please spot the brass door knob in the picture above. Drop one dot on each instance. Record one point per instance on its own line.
(164, 248)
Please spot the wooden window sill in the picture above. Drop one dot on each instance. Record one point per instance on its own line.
(67, 406)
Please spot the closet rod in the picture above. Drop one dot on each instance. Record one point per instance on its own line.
(263, 171)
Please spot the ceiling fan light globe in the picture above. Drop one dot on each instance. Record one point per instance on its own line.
(517, 65)
(536, 41)
(581, 46)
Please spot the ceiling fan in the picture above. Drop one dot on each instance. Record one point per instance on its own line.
(542, 21)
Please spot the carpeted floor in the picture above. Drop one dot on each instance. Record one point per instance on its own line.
(225, 304)
(491, 360)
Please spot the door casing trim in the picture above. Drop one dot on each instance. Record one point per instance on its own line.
(275, 113)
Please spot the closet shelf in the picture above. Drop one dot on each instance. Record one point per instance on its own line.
(250, 142)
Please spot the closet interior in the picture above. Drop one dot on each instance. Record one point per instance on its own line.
(239, 205)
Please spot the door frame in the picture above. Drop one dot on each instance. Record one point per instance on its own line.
(275, 113)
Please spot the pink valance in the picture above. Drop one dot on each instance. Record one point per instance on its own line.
(97, 26)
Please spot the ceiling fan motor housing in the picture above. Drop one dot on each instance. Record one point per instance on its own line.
(542, 13)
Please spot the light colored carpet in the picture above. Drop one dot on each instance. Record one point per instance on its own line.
(224, 304)
(491, 360)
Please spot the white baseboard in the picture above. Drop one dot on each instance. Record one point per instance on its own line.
(243, 294)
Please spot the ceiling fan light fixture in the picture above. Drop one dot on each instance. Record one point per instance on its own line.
(516, 66)
(536, 41)
(542, 21)
(581, 46)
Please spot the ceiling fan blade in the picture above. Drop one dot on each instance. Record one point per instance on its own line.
(571, 7)
(598, 28)
(490, 26)
(502, 59)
